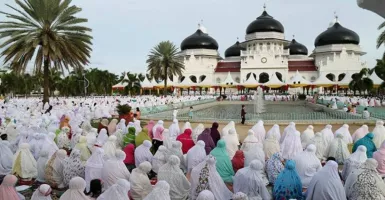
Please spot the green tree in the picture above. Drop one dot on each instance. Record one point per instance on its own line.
(379, 69)
(50, 32)
(163, 61)
(361, 81)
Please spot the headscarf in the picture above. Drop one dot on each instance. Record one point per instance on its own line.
(103, 125)
(150, 127)
(344, 130)
(94, 167)
(112, 126)
(274, 167)
(118, 191)
(223, 163)
(255, 153)
(143, 153)
(207, 139)
(232, 142)
(379, 133)
(167, 142)
(173, 175)
(186, 140)
(174, 130)
(161, 191)
(319, 143)
(159, 158)
(75, 190)
(54, 169)
(327, 135)
(205, 177)
(7, 188)
(249, 181)
(43, 192)
(206, 195)
(354, 162)
(41, 164)
(186, 125)
(238, 161)
(365, 182)
(275, 132)
(159, 124)
(289, 128)
(291, 145)
(140, 184)
(102, 137)
(307, 135)
(259, 130)
(271, 146)
(176, 149)
(215, 135)
(288, 184)
(49, 144)
(368, 143)
(195, 155)
(141, 137)
(379, 155)
(137, 127)
(326, 184)
(6, 158)
(110, 147)
(82, 146)
(24, 164)
(129, 150)
(197, 131)
(249, 141)
(360, 133)
(307, 164)
(72, 167)
(114, 169)
(158, 133)
(129, 138)
(338, 149)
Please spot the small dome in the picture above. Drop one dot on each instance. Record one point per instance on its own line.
(199, 40)
(296, 48)
(234, 50)
(265, 23)
(337, 34)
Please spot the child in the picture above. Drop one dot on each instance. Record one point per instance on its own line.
(190, 113)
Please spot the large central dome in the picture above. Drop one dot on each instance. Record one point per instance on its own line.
(199, 40)
(265, 23)
(337, 34)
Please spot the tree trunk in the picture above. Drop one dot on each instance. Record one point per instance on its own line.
(165, 81)
(46, 80)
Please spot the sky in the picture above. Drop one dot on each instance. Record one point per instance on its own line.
(124, 31)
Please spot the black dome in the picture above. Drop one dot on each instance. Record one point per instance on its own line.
(265, 23)
(296, 48)
(234, 50)
(337, 34)
(199, 40)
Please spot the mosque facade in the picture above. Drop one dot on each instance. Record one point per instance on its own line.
(266, 53)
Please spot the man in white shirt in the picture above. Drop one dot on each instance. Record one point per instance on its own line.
(366, 114)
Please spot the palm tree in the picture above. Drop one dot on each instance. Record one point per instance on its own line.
(381, 38)
(133, 83)
(163, 61)
(50, 32)
(379, 69)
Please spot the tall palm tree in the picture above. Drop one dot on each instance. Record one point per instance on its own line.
(50, 32)
(381, 38)
(163, 61)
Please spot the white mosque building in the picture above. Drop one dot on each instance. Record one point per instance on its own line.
(266, 53)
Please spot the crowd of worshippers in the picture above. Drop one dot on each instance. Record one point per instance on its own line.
(122, 161)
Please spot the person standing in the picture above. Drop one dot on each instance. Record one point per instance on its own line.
(243, 114)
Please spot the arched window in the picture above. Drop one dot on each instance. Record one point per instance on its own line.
(341, 76)
(279, 76)
(313, 78)
(263, 77)
(202, 78)
(330, 76)
(193, 78)
(181, 79)
(237, 79)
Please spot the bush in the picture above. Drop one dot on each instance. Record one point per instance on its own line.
(302, 97)
(123, 109)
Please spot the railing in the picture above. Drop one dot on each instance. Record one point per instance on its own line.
(147, 111)
(375, 112)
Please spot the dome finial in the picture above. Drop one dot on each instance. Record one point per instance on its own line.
(201, 27)
(335, 15)
(293, 36)
(237, 39)
(264, 6)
